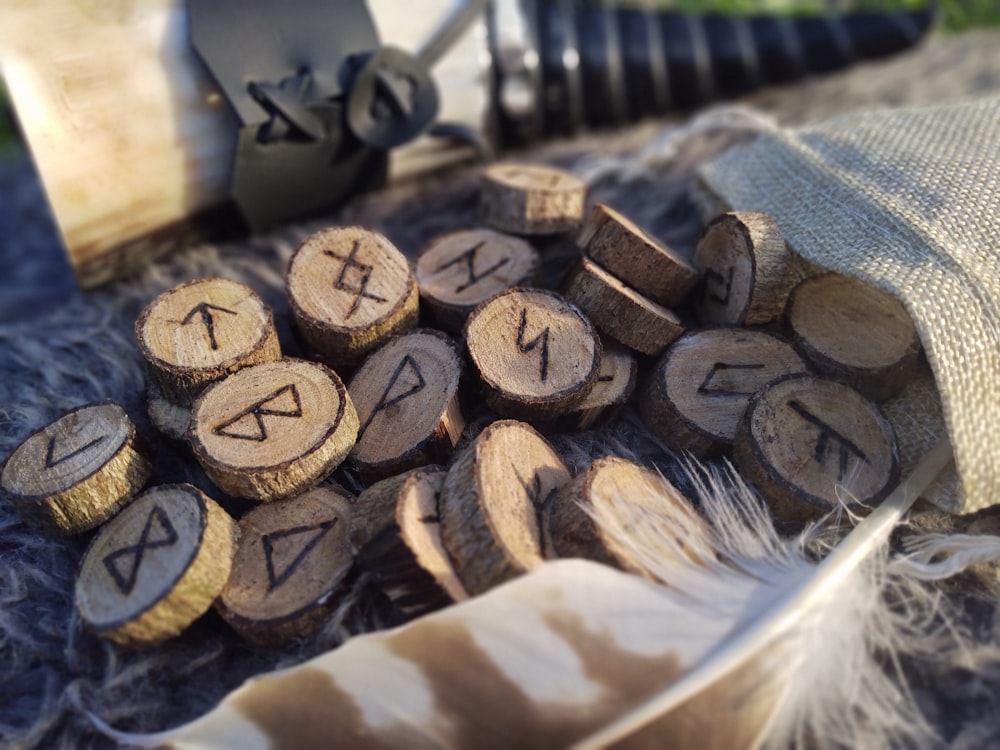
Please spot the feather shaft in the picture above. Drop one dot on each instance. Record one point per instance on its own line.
(735, 652)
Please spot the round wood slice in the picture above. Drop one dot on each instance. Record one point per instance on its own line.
(156, 567)
(291, 566)
(375, 510)
(809, 444)
(406, 397)
(273, 430)
(615, 488)
(748, 270)
(854, 333)
(201, 331)
(78, 471)
(459, 270)
(536, 353)
(616, 380)
(621, 312)
(492, 503)
(350, 289)
(531, 199)
(633, 255)
(700, 387)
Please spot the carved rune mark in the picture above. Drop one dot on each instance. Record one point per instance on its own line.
(541, 339)
(51, 461)
(706, 388)
(344, 284)
(249, 423)
(533, 490)
(204, 311)
(406, 365)
(847, 447)
(136, 552)
(276, 578)
(469, 258)
(716, 279)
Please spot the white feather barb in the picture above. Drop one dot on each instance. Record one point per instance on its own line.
(749, 642)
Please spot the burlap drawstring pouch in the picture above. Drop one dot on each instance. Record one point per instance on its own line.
(908, 201)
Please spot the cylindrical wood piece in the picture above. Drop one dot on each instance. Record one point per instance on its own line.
(531, 199)
(78, 471)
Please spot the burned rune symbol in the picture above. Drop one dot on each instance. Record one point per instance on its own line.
(407, 365)
(51, 461)
(533, 490)
(847, 447)
(204, 311)
(167, 537)
(707, 389)
(343, 282)
(249, 423)
(715, 279)
(276, 578)
(469, 258)
(541, 339)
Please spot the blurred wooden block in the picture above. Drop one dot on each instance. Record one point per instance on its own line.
(809, 445)
(406, 397)
(78, 471)
(273, 430)
(699, 389)
(621, 312)
(855, 334)
(350, 290)
(637, 258)
(492, 504)
(156, 567)
(748, 270)
(536, 354)
(291, 567)
(459, 270)
(531, 199)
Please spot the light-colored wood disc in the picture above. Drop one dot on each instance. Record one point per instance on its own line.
(291, 566)
(492, 504)
(576, 522)
(621, 312)
(633, 255)
(406, 397)
(201, 331)
(748, 270)
(273, 430)
(156, 567)
(408, 557)
(536, 353)
(169, 418)
(531, 199)
(809, 444)
(349, 290)
(616, 380)
(375, 510)
(459, 270)
(78, 471)
(854, 333)
(699, 389)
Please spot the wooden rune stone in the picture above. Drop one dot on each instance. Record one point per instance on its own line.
(531, 199)
(492, 504)
(700, 387)
(748, 270)
(616, 380)
(78, 471)
(621, 312)
(406, 398)
(156, 567)
(855, 334)
(291, 566)
(809, 444)
(536, 354)
(273, 430)
(637, 258)
(349, 290)
(408, 557)
(200, 332)
(459, 270)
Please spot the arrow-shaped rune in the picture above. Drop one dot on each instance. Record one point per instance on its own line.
(204, 310)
